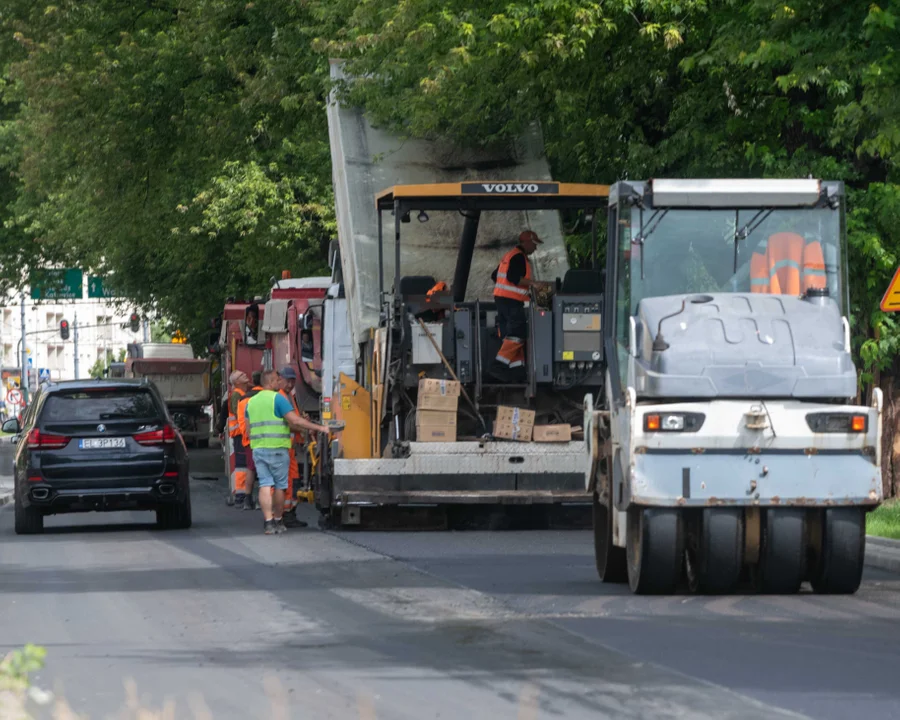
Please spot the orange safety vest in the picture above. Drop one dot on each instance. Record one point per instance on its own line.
(244, 426)
(787, 265)
(234, 429)
(503, 287)
(440, 286)
(294, 467)
(298, 437)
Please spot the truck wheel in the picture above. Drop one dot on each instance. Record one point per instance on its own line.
(28, 520)
(720, 553)
(839, 568)
(176, 516)
(611, 564)
(782, 552)
(655, 550)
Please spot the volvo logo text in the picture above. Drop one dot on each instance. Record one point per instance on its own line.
(503, 188)
(510, 188)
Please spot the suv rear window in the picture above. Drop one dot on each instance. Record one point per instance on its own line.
(99, 405)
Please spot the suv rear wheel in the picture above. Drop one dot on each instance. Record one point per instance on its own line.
(176, 516)
(29, 520)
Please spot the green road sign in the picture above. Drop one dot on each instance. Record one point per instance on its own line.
(97, 288)
(57, 284)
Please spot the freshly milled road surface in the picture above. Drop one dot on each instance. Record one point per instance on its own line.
(366, 625)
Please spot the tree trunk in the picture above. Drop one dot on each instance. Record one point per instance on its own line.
(890, 438)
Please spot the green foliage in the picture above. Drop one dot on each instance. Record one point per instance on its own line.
(19, 664)
(884, 521)
(183, 145)
(650, 89)
(16, 669)
(159, 332)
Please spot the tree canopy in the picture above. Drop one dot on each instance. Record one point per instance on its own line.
(182, 145)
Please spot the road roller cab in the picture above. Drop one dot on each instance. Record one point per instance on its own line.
(728, 445)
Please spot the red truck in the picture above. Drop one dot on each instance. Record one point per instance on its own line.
(281, 330)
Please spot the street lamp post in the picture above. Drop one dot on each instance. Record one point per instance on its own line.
(24, 353)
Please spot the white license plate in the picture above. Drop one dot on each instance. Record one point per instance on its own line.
(101, 443)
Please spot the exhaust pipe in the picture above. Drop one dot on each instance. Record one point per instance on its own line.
(40, 493)
(167, 489)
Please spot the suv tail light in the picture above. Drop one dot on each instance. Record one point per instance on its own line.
(44, 441)
(164, 436)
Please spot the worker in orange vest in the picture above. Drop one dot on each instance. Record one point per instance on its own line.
(240, 384)
(513, 279)
(288, 378)
(246, 501)
(786, 264)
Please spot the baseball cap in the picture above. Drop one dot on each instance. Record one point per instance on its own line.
(530, 235)
(237, 376)
(288, 373)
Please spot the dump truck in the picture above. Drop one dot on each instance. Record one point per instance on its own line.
(415, 216)
(727, 444)
(183, 381)
(280, 330)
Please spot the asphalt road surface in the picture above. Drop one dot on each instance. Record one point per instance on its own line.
(222, 621)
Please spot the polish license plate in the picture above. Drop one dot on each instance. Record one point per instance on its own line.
(101, 443)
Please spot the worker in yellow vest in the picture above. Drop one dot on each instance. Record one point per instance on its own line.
(271, 420)
(288, 378)
(513, 280)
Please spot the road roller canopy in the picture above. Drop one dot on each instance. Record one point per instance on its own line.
(776, 237)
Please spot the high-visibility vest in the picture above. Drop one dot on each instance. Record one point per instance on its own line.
(503, 287)
(787, 265)
(234, 429)
(242, 413)
(267, 430)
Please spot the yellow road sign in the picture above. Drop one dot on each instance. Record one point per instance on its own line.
(891, 300)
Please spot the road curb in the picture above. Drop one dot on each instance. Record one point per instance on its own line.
(883, 553)
(5, 498)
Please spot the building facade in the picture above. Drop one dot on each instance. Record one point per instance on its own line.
(102, 328)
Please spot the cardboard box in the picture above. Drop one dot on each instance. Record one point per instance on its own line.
(447, 403)
(436, 417)
(514, 424)
(552, 433)
(435, 433)
(434, 386)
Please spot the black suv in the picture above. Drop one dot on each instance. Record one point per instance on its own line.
(99, 445)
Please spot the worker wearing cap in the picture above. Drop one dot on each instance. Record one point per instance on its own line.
(288, 378)
(240, 384)
(513, 280)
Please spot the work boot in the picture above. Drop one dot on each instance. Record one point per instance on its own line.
(518, 376)
(499, 372)
(269, 527)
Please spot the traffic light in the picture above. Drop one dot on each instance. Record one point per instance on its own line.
(64, 329)
(134, 322)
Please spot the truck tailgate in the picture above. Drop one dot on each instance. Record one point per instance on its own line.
(179, 381)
